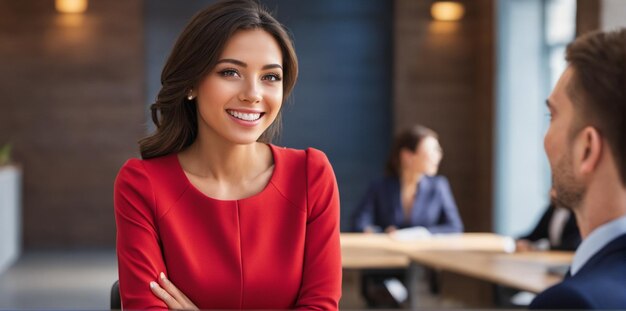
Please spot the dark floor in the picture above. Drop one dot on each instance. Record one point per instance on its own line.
(59, 281)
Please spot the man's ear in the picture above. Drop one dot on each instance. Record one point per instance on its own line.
(590, 151)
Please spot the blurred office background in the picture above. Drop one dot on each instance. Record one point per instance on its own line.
(75, 90)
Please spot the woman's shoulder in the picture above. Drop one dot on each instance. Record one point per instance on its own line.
(310, 157)
(437, 183)
(300, 171)
(301, 164)
(437, 179)
(131, 169)
(159, 178)
(149, 165)
(282, 153)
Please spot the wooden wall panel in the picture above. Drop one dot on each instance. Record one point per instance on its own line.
(443, 78)
(72, 105)
(587, 16)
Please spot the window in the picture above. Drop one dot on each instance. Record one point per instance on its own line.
(532, 36)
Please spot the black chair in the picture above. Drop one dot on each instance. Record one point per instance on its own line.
(116, 302)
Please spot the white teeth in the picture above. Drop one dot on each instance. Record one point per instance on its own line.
(245, 116)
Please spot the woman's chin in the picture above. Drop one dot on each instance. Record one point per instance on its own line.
(431, 172)
(245, 137)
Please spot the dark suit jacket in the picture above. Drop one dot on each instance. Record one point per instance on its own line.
(600, 283)
(434, 207)
(570, 237)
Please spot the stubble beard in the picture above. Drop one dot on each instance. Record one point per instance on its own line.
(569, 191)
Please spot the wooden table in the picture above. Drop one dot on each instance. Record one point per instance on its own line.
(484, 256)
(523, 271)
(361, 251)
(464, 241)
(356, 258)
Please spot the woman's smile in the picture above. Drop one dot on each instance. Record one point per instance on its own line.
(245, 117)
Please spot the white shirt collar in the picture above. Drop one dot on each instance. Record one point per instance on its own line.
(596, 240)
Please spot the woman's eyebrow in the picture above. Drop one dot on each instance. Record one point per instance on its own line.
(272, 66)
(232, 61)
(242, 64)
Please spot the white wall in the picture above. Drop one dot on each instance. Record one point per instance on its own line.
(520, 193)
(10, 215)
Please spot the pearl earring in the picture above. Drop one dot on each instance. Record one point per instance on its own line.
(190, 96)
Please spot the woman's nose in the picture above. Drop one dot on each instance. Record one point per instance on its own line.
(251, 92)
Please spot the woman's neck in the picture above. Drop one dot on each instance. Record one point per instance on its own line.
(410, 179)
(221, 160)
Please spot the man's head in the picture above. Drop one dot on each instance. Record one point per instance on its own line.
(588, 109)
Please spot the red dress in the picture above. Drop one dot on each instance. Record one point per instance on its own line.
(278, 249)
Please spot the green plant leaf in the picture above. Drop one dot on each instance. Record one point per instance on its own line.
(5, 154)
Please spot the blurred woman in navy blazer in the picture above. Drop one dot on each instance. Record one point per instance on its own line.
(411, 194)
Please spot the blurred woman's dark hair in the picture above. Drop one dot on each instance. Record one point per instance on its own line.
(408, 139)
(194, 55)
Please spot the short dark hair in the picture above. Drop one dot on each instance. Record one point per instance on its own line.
(194, 55)
(598, 87)
(409, 139)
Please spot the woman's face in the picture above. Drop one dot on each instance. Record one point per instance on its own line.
(241, 97)
(425, 159)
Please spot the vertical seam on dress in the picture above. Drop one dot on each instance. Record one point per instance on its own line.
(306, 184)
(306, 220)
(240, 255)
(154, 200)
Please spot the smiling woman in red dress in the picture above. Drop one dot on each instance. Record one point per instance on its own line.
(213, 216)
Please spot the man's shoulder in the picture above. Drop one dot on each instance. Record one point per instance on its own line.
(599, 286)
(568, 294)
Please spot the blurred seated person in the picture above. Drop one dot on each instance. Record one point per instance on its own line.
(556, 230)
(410, 196)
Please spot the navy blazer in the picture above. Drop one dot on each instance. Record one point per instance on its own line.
(434, 207)
(599, 284)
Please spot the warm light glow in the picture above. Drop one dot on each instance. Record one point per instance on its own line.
(71, 6)
(447, 10)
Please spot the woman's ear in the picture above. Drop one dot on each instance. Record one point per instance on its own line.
(406, 156)
(589, 150)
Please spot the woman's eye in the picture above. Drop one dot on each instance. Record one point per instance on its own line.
(229, 73)
(272, 77)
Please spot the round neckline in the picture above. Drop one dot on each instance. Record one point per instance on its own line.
(193, 188)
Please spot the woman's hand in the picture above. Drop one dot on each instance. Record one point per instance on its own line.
(173, 297)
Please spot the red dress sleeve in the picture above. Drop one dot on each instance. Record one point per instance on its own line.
(321, 276)
(138, 247)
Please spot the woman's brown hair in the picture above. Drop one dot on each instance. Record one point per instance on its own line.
(408, 139)
(194, 55)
